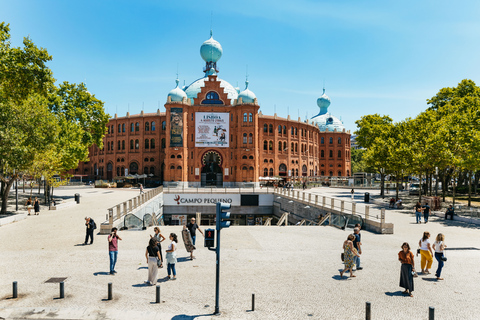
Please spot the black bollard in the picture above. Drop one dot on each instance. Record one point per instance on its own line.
(253, 301)
(62, 290)
(110, 291)
(157, 299)
(431, 313)
(368, 311)
(15, 290)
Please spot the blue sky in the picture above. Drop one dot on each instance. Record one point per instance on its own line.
(374, 56)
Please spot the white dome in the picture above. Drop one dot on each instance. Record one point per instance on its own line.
(194, 88)
(211, 50)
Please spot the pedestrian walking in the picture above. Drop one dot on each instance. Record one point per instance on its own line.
(357, 244)
(425, 252)
(406, 258)
(349, 252)
(36, 206)
(113, 249)
(141, 188)
(426, 212)
(192, 227)
(90, 226)
(353, 193)
(29, 205)
(172, 256)
(450, 212)
(159, 238)
(439, 247)
(152, 254)
(418, 212)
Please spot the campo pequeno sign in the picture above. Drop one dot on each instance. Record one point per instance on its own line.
(171, 199)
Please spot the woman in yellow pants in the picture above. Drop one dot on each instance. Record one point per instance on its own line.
(426, 253)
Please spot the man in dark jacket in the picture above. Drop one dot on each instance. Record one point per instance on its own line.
(90, 224)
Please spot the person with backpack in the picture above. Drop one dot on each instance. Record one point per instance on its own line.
(91, 225)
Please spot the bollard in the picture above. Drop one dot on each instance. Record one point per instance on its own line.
(15, 290)
(431, 313)
(253, 301)
(110, 291)
(368, 311)
(157, 300)
(62, 290)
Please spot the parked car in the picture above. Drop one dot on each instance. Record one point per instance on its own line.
(414, 189)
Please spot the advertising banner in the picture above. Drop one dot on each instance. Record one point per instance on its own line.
(212, 129)
(176, 127)
(171, 199)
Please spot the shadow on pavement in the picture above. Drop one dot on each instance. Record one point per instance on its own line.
(139, 268)
(430, 279)
(102, 273)
(80, 245)
(183, 259)
(396, 294)
(187, 317)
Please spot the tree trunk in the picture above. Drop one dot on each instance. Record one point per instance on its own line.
(421, 189)
(396, 181)
(382, 186)
(454, 186)
(443, 185)
(469, 188)
(6, 191)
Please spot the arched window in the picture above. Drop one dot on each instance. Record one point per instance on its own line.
(152, 144)
(322, 140)
(112, 128)
(293, 131)
(265, 160)
(296, 147)
(270, 145)
(147, 144)
(123, 144)
(244, 157)
(271, 172)
(293, 147)
(132, 127)
(270, 128)
(250, 117)
(244, 138)
(152, 170)
(250, 157)
(151, 159)
(279, 129)
(133, 168)
(137, 126)
(339, 173)
(145, 170)
(339, 154)
(296, 172)
(164, 125)
(284, 146)
(265, 172)
(339, 140)
(179, 168)
(296, 131)
(118, 170)
(179, 156)
(284, 129)
(265, 145)
(331, 173)
(304, 170)
(137, 144)
(172, 156)
(322, 154)
(119, 130)
(250, 138)
(108, 145)
(322, 173)
(172, 167)
(147, 126)
(265, 128)
(123, 127)
(119, 145)
(212, 98)
(163, 143)
(152, 127)
(280, 146)
(330, 153)
(145, 160)
(330, 140)
(245, 117)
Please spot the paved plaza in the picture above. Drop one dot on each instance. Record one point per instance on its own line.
(293, 271)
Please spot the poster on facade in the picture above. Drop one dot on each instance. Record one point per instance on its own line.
(176, 127)
(212, 129)
(181, 218)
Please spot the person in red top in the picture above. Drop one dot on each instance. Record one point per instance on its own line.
(406, 258)
(113, 249)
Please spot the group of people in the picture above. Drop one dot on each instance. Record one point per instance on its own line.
(352, 249)
(395, 203)
(154, 256)
(419, 209)
(35, 205)
(426, 251)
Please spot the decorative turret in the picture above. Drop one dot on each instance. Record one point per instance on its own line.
(246, 95)
(177, 94)
(323, 103)
(211, 51)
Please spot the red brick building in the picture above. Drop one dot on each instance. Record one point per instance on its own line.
(213, 134)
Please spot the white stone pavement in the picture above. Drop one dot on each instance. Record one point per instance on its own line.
(292, 270)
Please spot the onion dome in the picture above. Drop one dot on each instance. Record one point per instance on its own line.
(211, 50)
(247, 95)
(323, 103)
(177, 94)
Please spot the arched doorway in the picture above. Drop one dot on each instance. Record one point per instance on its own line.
(110, 171)
(211, 169)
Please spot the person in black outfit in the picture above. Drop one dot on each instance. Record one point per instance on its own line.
(450, 212)
(90, 224)
(426, 212)
(192, 226)
(36, 206)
